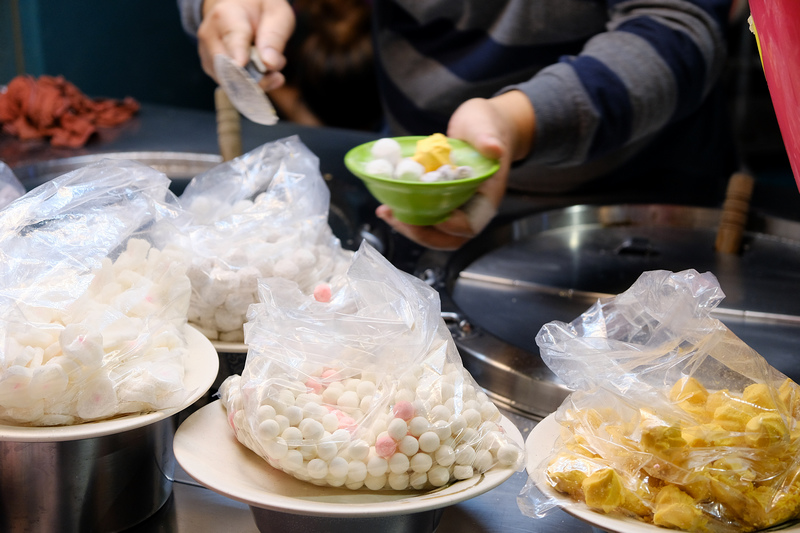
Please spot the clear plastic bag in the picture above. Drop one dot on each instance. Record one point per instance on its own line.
(673, 419)
(92, 302)
(10, 186)
(262, 214)
(362, 386)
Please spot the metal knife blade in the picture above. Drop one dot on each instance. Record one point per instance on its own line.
(243, 90)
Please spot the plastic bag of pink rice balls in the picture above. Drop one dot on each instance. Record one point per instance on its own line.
(360, 385)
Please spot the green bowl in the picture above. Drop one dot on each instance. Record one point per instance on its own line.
(416, 202)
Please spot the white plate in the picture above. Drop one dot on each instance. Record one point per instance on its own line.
(207, 450)
(540, 445)
(202, 365)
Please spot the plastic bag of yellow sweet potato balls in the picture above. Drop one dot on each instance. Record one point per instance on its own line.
(673, 421)
(360, 386)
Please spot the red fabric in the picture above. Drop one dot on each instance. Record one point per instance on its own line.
(54, 108)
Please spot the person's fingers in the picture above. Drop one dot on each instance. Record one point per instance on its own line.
(224, 31)
(457, 224)
(232, 28)
(488, 144)
(429, 236)
(271, 80)
(272, 59)
(478, 123)
(274, 28)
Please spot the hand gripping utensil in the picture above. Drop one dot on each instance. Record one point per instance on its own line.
(242, 88)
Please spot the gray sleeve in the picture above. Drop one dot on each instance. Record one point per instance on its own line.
(568, 118)
(191, 12)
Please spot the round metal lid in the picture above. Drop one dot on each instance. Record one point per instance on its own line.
(498, 292)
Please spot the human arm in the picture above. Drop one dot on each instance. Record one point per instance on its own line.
(231, 27)
(605, 96)
(502, 127)
(653, 66)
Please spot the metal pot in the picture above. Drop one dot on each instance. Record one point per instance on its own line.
(101, 484)
(97, 477)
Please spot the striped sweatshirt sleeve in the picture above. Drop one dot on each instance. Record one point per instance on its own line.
(653, 66)
(191, 12)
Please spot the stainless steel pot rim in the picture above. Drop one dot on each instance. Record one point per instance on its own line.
(229, 347)
(152, 158)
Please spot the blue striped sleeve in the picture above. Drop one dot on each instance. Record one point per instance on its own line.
(610, 98)
(654, 66)
(191, 12)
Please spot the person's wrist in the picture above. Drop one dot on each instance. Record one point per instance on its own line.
(515, 109)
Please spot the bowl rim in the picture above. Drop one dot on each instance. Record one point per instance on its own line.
(349, 163)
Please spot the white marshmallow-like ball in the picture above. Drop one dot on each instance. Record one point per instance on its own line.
(508, 455)
(409, 170)
(418, 480)
(398, 480)
(463, 472)
(418, 426)
(421, 462)
(356, 471)
(380, 168)
(359, 450)
(399, 463)
(118, 349)
(268, 429)
(386, 149)
(377, 466)
(330, 440)
(317, 468)
(432, 177)
(438, 476)
(408, 445)
(375, 482)
(397, 429)
(463, 172)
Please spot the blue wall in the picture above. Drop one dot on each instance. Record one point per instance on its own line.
(7, 62)
(107, 48)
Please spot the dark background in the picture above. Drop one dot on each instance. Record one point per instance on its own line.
(109, 48)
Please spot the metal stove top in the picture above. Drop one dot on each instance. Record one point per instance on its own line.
(498, 291)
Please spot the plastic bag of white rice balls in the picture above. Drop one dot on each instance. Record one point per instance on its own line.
(262, 214)
(10, 187)
(361, 386)
(93, 302)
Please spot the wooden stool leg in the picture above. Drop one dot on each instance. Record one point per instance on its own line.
(734, 213)
(229, 126)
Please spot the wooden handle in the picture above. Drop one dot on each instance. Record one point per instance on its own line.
(229, 126)
(734, 213)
